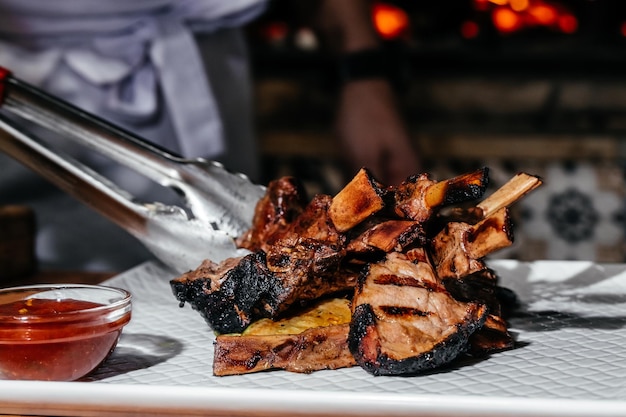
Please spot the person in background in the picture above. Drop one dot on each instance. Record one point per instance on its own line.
(368, 122)
(175, 72)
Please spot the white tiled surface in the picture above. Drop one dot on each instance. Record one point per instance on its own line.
(571, 334)
(572, 340)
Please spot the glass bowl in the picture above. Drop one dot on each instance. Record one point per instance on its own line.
(59, 332)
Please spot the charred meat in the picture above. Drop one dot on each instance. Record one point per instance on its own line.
(419, 196)
(421, 293)
(313, 340)
(405, 322)
(312, 350)
(282, 203)
(233, 294)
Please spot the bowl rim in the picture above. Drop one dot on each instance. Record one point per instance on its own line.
(124, 300)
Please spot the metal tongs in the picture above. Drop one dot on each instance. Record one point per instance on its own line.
(220, 204)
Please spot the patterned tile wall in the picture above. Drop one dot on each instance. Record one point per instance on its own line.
(579, 213)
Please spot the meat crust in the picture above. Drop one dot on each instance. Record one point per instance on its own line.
(422, 294)
(387, 236)
(420, 196)
(458, 250)
(405, 322)
(312, 350)
(230, 298)
(232, 294)
(284, 200)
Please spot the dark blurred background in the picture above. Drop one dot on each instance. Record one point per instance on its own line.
(515, 85)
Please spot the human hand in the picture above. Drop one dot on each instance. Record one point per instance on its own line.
(372, 132)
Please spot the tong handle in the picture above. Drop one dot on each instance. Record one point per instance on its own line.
(222, 203)
(35, 105)
(222, 199)
(180, 243)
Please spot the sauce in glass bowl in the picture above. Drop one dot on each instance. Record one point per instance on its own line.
(59, 332)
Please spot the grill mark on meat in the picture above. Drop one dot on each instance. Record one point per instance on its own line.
(253, 361)
(401, 281)
(314, 349)
(404, 330)
(404, 311)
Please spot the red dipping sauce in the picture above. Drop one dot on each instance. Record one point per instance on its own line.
(59, 333)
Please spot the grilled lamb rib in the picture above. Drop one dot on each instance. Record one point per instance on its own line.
(314, 338)
(232, 294)
(458, 250)
(302, 265)
(408, 316)
(239, 291)
(284, 200)
(385, 236)
(405, 322)
(312, 350)
(419, 196)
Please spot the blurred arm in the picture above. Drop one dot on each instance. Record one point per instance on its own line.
(368, 122)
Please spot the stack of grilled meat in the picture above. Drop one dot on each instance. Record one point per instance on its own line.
(409, 260)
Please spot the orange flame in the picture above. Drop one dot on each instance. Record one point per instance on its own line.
(506, 20)
(509, 16)
(543, 14)
(390, 21)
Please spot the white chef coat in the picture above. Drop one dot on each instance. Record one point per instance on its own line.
(172, 71)
(116, 57)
